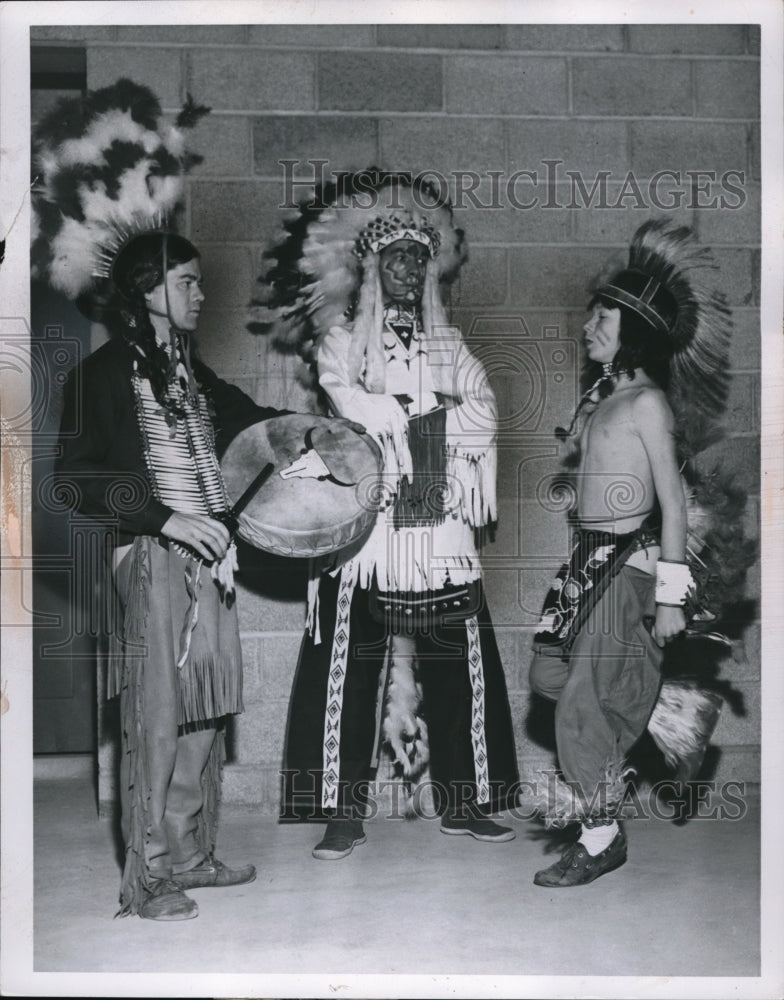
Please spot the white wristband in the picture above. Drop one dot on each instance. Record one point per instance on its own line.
(673, 582)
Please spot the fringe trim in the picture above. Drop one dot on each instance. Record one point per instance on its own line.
(561, 803)
(209, 688)
(683, 720)
(138, 607)
(134, 623)
(192, 585)
(413, 559)
(135, 879)
(211, 784)
(475, 474)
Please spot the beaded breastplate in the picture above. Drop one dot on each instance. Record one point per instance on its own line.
(179, 450)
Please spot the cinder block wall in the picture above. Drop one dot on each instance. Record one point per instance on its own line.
(486, 98)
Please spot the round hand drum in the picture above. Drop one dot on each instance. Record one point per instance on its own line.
(322, 493)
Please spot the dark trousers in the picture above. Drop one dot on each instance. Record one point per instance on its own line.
(442, 668)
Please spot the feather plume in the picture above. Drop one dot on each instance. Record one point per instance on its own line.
(106, 168)
(191, 113)
(719, 549)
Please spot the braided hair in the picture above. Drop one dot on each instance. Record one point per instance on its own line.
(139, 268)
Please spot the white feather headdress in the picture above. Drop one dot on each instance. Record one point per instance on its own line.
(317, 268)
(105, 170)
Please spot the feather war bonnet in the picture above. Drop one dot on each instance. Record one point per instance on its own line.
(317, 265)
(105, 169)
(667, 267)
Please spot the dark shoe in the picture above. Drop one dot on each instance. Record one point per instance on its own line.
(578, 867)
(479, 828)
(167, 901)
(212, 872)
(339, 840)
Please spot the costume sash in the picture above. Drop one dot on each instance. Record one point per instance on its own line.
(596, 558)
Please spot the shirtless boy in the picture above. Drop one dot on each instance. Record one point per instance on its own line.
(621, 598)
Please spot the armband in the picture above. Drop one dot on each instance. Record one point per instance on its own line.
(673, 582)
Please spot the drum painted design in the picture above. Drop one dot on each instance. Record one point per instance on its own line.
(323, 494)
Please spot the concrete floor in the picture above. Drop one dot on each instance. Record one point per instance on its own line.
(408, 901)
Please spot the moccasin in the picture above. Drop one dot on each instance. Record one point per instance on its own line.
(212, 872)
(166, 901)
(577, 867)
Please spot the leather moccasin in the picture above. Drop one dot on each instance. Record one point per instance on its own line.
(212, 872)
(166, 901)
(577, 867)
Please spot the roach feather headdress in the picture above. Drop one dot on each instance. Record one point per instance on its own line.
(105, 169)
(670, 282)
(317, 266)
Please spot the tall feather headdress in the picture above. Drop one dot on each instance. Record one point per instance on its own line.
(666, 268)
(105, 169)
(316, 271)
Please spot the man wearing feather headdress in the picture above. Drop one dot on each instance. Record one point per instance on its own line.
(367, 280)
(143, 423)
(657, 341)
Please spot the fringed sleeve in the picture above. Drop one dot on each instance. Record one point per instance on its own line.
(381, 414)
(471, 426)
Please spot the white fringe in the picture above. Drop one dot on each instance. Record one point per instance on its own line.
(414, 558)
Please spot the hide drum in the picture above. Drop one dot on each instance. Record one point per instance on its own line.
(323, 493)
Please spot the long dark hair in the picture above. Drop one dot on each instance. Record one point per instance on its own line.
(641, 346)
(138, 268)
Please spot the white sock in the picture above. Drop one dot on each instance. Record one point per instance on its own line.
(595, 838)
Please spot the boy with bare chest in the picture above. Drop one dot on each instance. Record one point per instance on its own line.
(620, 599)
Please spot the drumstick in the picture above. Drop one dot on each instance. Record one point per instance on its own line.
(231, 516)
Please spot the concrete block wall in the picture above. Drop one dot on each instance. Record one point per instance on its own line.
(619, 102)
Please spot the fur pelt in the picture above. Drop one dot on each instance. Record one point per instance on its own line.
(404, 731)
(683, 720)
